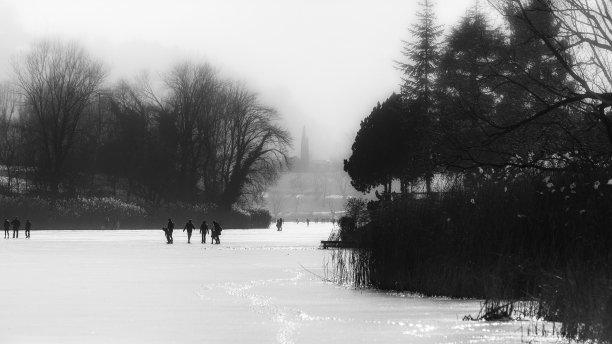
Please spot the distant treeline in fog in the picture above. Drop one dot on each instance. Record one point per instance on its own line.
(189, 136)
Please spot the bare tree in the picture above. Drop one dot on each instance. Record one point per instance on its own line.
(229, 147)
(10, 137)
(58, 81)
(193, 101)
(253, 149)
(582, 47)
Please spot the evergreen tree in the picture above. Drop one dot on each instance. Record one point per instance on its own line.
(422, 56)
(490, 82)
(419, 75)
(465, 82)
(375, 159)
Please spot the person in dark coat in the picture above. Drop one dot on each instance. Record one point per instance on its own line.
(217, 232)
(7, 228)
(169, 230)
(165, 229)
(189, 227)
(204, 231)
(16, 225)
(28, 226)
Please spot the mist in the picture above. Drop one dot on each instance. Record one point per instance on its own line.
(321, 64)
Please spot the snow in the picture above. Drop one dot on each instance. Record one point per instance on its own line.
(258, 286)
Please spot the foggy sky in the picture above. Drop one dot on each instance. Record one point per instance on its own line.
(322, 64)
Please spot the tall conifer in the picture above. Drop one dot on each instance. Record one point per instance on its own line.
(422, 55)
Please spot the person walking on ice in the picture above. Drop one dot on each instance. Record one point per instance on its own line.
(16, 224)
(204, 231)
(189, 227)
(28, 226)
(165, 229)
(7, 228)
(168, 230)
(216, 232)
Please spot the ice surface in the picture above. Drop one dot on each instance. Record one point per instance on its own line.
(258, 286)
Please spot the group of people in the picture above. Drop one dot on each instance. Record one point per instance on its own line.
(279, 224)
(16, 224)
(215, 231)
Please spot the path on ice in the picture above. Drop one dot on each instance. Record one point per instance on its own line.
(256, 287)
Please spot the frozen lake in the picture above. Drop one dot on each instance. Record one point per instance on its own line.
(258, 286)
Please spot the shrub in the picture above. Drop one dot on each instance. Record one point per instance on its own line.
(112, 213)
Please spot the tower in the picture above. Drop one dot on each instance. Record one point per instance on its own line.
(304, 153)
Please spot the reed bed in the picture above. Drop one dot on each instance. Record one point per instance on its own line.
(534, 246)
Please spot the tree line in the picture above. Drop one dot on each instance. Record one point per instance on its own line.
(192, 136)
(532, 93)
(518, 116)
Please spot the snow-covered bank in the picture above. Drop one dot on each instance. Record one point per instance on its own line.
(131, 287)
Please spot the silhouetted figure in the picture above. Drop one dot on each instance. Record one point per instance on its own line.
(16, 225)
(165, 229)
(204, 231)
(28, 226)
(279, 224)
(7, 228)
(307, 222)
(170, 229)
(216, 232)
(189, 227)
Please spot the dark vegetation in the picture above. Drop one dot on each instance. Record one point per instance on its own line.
(516, 120)
(190, 138)
(110, 213)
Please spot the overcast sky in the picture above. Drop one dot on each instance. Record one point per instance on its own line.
(322, 63)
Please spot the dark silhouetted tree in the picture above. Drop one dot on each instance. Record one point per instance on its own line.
(58, 81)
(376, 158)
(422, 53)
(11, 138)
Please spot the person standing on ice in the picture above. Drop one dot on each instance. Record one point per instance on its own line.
(28, 226)
(189, 227)
(7, 228)
(204, 231)
(169, 230)
(216, 232)
(16, 224)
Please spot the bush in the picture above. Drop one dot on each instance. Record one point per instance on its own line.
(112, 213)
(348, 227)
(259, 218)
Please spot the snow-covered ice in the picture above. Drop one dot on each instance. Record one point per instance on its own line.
(258, 286)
